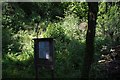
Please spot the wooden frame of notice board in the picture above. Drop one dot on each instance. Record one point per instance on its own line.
(43, 54)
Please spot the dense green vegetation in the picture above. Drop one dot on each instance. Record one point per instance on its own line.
(60, 21)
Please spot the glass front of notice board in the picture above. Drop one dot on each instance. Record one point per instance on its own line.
(44, 51)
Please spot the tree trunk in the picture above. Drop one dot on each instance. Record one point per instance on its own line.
(89, 51)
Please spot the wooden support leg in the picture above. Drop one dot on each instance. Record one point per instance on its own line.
(36, 72)
(52, 72)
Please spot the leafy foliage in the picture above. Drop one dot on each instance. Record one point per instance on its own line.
(66, 46)
(59, 21)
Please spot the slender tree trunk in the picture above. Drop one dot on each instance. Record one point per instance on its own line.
(88, 57)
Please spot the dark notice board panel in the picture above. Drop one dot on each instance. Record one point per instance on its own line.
(43, 51)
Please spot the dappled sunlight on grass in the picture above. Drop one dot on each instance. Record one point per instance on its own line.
(21, 66)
